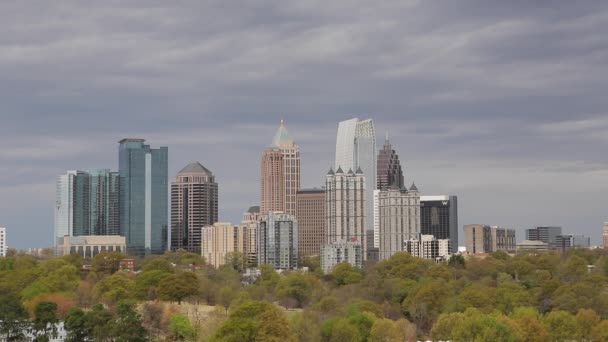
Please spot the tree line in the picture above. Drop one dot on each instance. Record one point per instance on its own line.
(531, 296)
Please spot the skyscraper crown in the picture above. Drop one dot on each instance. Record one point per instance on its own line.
(282, 138)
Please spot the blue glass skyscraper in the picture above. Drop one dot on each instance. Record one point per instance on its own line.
(143, 196)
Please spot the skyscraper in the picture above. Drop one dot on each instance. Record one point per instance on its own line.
(345, 213)
(390, 173)
(87, 203)
(280, 176)
(250, 222)
(399, 219)
(439, 217)
(277, 241)
(356, 150)
(143, 196)
(311, 221)
(194, 205)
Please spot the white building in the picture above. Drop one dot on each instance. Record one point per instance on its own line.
(277, 241)
(398, 219)
(345, 214)
(532, 245)
(427, 247)
(342, 251)
(356, 150)
(2, 241)
(90, 246)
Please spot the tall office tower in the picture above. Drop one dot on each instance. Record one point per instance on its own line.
(277, 241)
(428, 247)
(390, 173)
(250, 222)
(439, 217)
(545, 234)
(356, 150)
(343, 251)
(3, 241)
(220, 239)
(566, 242)
(194, 205)
(605, 235)
(104, 202)
(345, 213)
(481, 238)
(310, 211)
(280, 173)
(399, 218)
(143, 196)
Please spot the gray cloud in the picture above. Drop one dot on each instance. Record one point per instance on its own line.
(502, 103)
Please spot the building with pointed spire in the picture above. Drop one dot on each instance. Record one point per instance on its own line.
(194, 205)
(280, 174)
(390, 173)
(398, 218)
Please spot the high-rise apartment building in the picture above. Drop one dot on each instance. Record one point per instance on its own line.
(87, 203)
(277, 241)
(399, 219)
(342, 251)
(345, 213)
(280, 174)
(428, 247)
(250, 222)
(439, 217)
(143, 196)
(356, 151)
(3, 241)
(390, 173)
(481, 238)
(194, 205)
(605, 235)
(546, 234)
(310, 212)
(220, 239)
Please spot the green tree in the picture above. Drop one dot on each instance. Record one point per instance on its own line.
(146, 283)
(561, 325)
(179, 286)
(236, 261)
(12, 317)
(106, 263)
(75, 325)
(295, 286)
(158, 264)
(45, 319)
(600, 331)
(384, 330)
(225, 297)
(115, 288)
(586, 320)
(98, 323)
(344, 331)
(344, 274)
(127, 327)
(254, 321)
(456, 261)
(180, 327)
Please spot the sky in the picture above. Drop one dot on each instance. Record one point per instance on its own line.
(502, 103)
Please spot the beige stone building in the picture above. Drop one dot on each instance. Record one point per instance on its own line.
(89, 246)
(398, 219)
(310, 212)
(220, 239)
(605, 235)
(345, 211)
(251, 221)
(481, 238)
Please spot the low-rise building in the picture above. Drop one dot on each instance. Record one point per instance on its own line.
(566, 242)
(89, 246)
(341, 251)
(481, 238)
(2, 241)
(532, 245)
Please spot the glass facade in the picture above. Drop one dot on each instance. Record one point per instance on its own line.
(143, 196)
(439, 217)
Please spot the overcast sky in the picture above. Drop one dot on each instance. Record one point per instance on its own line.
(502, 103)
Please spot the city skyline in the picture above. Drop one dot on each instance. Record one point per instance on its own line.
(500, 104)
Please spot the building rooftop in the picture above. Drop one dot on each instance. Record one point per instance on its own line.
(254, 209)
(282, 136)
(195, 167)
